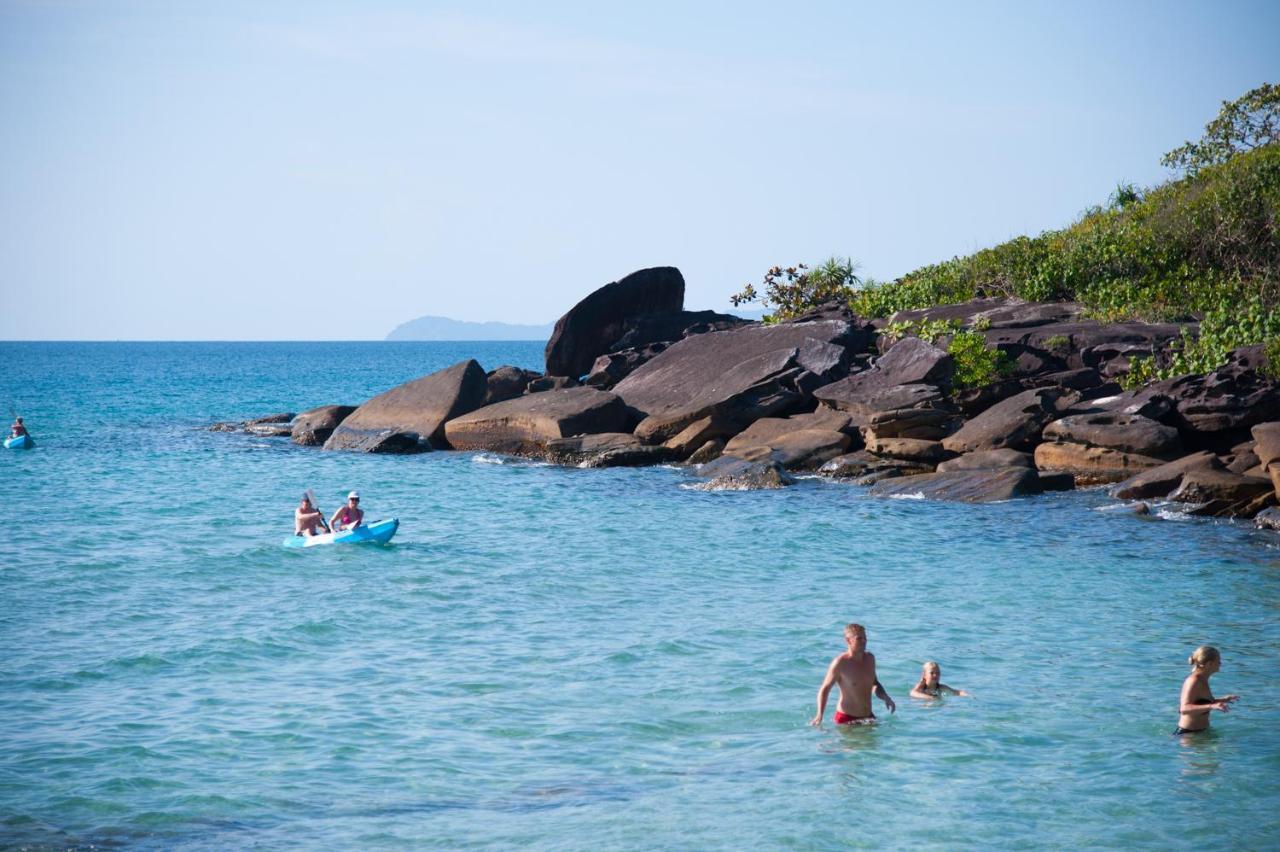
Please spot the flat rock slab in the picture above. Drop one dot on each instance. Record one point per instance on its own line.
(312, 428)
(1125, 433)
(804, 449)
(1014, 423)
(1092, 465)
(1203, 485)
(863, 463)
(987, 460)
(591, 327)
(909, 449)
(411, 417)
(864, 395)
(743, 374)
(527, 424)
(768, 429)
(1160, 481)
(964, 486)
(913, 361)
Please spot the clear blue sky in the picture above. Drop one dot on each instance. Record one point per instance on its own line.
(326, 171)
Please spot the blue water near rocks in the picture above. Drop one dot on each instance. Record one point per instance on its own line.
(567, 658)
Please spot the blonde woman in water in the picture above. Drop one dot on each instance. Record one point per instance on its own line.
(1197, 699)
(929, 686)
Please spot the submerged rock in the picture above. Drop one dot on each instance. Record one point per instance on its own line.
(729, 473)
(606, 449)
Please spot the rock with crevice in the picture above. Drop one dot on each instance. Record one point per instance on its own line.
(507, 382)
(312, 428)
(1124, 433)
(804, 449)
(606, 449)
(908, 449)
(1092, 465)
(1160, 481)
(1014, 423)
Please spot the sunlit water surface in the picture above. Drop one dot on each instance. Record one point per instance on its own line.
(566, 658)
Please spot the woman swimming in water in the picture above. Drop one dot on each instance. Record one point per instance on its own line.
(1197, 699)
(929, 687)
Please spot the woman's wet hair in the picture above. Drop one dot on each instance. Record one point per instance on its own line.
(1203, 655)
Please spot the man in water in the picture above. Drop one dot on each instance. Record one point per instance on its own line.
(854, 672)
(306, 518)
(349, 516)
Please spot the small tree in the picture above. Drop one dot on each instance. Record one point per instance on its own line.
(1248, 122)
(796, 289)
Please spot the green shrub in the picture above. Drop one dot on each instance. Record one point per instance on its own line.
(976, 363)
(796, 289)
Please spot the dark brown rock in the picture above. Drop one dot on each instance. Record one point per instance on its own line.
(640, 332)
(591, 327)
(527, 424)
(612, 368)
(768, 429)
(411, 417)
(698, 433)
(966, 486)
(1014, 423)
(550, 383)
(729, 473)
(1220, 493)
(742, 374)
(312, 428)
(913, 361)
(1125, 433)
(1218, 408)
(507, 382)
(269, 430)
(709, 451)
(862, 464)
(987, 460)
(1160, 481)
(272, 419)
(606, 449)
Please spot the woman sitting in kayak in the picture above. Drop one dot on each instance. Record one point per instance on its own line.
(349, 516)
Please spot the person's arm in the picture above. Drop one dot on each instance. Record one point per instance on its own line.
(959, 692)
(359, 518)
(336, 515)
(883, 695)
(823, 691)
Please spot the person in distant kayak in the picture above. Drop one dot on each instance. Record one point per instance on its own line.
(306, 518)
(854, 672)
(349, 516)
(930, 686)
(1197, 699)
(18, 429)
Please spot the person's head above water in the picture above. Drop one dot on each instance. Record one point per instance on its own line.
(855, 636)
(306, 502)
(1204, 656)
(931, 673)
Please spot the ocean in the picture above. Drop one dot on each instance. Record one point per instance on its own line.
(561, 658)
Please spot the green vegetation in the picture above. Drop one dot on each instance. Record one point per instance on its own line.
(1205, 245)
(976, 363)
(797, 289)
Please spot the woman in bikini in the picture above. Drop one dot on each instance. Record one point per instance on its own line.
(1197, 698)
(929, 686)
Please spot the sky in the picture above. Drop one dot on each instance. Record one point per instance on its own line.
(327, 171)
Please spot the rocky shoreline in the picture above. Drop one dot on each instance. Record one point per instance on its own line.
(633, 379)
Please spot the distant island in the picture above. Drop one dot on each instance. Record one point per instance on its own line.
(443, 328)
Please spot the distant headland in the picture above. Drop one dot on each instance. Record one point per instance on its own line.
(443, 328)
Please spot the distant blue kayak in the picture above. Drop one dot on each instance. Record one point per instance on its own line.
(22, 442)
(378, 532)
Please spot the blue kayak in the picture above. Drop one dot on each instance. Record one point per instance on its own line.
(378, 532)
(22, 442)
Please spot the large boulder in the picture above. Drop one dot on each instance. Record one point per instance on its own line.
(965, 486)
(312, 428)
(591, 327)
(612, 368)
(1221, 493)
(769, 429)
(893, 411)
(908, 449)
(527, 424)
(1091, 465)
(411, 417)
(1014, 423)
(1160, 481)
(699, 433)
(1125, 433)
(913, 361)
(1266, 442)
(742, 375)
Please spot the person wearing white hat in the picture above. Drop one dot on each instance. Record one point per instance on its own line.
(349, 516)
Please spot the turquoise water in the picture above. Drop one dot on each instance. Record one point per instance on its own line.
(570, 658)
